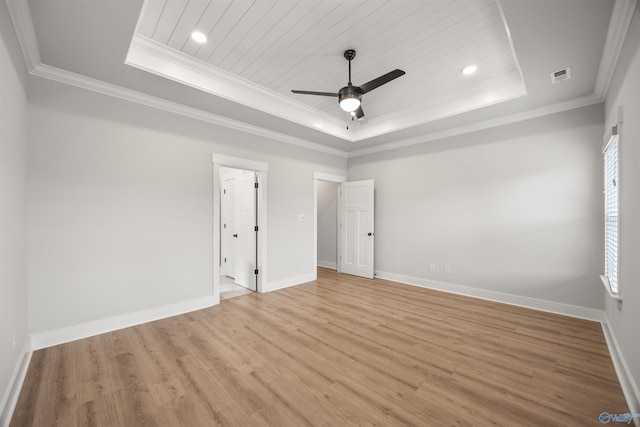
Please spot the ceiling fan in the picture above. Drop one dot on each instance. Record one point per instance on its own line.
(350, 96)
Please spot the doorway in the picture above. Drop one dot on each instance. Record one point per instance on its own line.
(238, 213)
(326, 195)
(254, 271)
(328, 214)
(355, 225)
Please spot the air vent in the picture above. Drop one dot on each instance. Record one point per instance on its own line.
(560, 75)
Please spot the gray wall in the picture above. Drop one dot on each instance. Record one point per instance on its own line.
(515, 209)
(13, 260)
(120, 205)
(327, 223)
(624, 318)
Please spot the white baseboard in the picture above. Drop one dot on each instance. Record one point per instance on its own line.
(96, 327)
(629, 386)
(291, 281)
(527, 302)
(10, 399)
(327, 264)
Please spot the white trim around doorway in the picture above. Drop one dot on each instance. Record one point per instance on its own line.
(261, 170)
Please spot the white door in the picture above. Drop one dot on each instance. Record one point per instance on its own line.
(244, 233)
(357, 228)
(228, 242)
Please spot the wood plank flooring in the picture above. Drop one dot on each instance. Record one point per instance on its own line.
(335, 352)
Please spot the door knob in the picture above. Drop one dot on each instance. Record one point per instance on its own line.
(235, 235)
(369, 234)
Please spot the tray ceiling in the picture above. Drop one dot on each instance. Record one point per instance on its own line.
(257, 51)
(141, 51)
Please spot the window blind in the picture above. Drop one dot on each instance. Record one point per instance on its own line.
(611, 212)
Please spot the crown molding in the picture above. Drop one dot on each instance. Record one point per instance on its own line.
(618, 26)
(486, 124)
(156, 58)
(402, 120)
(21, 17)
(88, 83)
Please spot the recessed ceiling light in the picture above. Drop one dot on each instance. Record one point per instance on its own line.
(198, 37)
(469, 69)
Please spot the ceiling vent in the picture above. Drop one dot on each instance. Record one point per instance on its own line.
(560, 75)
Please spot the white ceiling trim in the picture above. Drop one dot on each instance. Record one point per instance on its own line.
(486, 124)
(77, 80)
(618, 26)
(156, 58)
(402, 120)
(513, 48)
(21, 18)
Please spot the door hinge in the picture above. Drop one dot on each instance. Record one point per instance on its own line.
(255, 185)
(224, 191)
(225, 226)
(225, 260)
(255, 271)
(255, 228)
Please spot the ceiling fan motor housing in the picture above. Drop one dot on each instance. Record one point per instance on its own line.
(349, 95)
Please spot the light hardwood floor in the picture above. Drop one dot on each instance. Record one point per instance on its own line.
(335, 352)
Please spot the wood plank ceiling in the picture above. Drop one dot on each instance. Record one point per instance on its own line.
(285, 44)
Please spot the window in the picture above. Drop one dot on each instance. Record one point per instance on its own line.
(611, 223)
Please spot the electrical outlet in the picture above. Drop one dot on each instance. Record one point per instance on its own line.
(432, 268)
(447, 269)
(13, 342)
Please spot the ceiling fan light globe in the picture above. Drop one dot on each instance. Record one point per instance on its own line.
(349, 103)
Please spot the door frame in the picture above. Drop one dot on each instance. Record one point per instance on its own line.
(338, 179)
(261, 170)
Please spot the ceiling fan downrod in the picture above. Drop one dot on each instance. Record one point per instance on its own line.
(349, 55)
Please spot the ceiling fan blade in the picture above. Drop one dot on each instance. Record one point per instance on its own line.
(369, 86)
(306, 92)
(359, 112)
